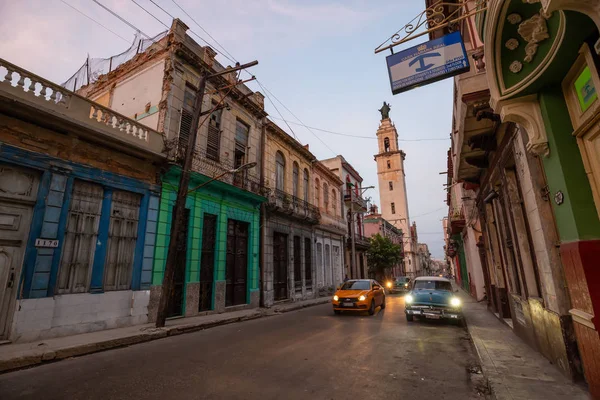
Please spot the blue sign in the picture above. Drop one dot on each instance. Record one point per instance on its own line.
(427, 63)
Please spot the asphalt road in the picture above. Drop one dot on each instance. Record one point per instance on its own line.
(307, 354)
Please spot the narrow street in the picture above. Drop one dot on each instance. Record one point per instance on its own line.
(298, 355)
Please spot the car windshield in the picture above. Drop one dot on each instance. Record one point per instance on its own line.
(356, 285)
(435, 285)
(402, 279)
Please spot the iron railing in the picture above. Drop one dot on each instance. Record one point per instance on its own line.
(293, 205)
(206, 166)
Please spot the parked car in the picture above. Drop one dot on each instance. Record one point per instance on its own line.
(359, 295)
(433, 297)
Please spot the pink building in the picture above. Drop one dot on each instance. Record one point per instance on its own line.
(375, 224)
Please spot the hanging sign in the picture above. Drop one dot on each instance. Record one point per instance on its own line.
(427, 63)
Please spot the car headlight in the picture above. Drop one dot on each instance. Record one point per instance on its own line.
(335, 298)
(389, 284)
(362, 297)
(406, 285)
(455, 302)
(408, 298)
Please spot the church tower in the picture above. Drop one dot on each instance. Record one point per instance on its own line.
(392, 186)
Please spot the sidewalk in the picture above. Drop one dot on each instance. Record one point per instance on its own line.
(21, 355)
(514, 370)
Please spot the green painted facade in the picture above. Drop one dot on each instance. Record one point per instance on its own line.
(217, 198)
(464, 273)
(576, 218)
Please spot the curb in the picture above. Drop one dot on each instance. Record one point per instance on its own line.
(37, 357)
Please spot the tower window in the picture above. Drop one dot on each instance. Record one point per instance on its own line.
(391, 186)
(386, 144)
(389, 164)
(393, 208)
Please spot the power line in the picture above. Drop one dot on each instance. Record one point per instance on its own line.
(149, 13)
(294, 115)
(430, 212)
(92, 19)
(359, 136)
(121, 18)
(276, 109)
(204, 30)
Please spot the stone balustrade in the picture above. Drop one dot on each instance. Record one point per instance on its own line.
(32, 91)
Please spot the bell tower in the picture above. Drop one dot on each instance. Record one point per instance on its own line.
(392, 185)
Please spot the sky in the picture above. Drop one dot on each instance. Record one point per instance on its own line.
(315, 56)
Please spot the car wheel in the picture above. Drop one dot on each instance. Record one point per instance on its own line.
(383, 303)
(372, 308)
(337, 312)
(409, 317)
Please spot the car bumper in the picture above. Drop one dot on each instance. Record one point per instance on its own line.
(434, 314)
(357, 306)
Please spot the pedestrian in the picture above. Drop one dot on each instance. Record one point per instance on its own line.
(346, 278)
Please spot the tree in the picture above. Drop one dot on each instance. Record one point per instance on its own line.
(382, 255)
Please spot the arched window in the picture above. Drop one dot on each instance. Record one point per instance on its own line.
(386, 144)
(334, 202)
(306, 184)
(279, 171)
(317, 193)
(326, 197)
(295, 178)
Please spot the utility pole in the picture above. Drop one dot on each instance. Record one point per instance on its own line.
(179, 208)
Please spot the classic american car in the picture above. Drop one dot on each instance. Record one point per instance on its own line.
(432, 297)
(399, 285)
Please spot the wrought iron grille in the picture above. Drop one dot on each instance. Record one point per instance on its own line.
(204, 164)
(294, 205)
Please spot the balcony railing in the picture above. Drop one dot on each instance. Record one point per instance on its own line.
(354, 200)
(31, 91)
(294, 206)
(359, 240)
(209, 167)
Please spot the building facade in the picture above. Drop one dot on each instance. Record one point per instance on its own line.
(289, 263)
(354, 208)
(79, 199)
(392, 189)
(524, 153)
(218, 264)
(375, 224)
(424, 260)
(332, 230)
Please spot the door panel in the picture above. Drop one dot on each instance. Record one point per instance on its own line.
(280, 266)
(236, 263)
(178, 288)
(14, 229)
(207, 261)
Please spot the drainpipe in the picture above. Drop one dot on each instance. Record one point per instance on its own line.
(263, 217)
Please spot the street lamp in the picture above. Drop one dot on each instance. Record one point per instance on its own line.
(231, 171)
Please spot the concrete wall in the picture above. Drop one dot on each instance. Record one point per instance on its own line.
(64, 315)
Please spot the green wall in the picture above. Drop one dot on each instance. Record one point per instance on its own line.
(218, 198)
(576, 218)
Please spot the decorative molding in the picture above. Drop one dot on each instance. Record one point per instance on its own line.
(516, 67)
(514, 18)
(526, 112)
(534, 30)
(583, 318)
(512, 44)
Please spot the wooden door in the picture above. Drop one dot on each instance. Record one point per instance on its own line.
(178, 289)
(280, 266)
(207, 261)
(18, 192)
(236, 263)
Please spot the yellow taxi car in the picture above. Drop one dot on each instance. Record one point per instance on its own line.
(359, 295)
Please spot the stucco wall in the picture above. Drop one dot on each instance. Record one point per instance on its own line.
(64, 315)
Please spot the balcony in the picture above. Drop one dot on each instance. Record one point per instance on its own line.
(29, 97)
(457, 219)
(282, 202)
(206, 165)
(360, 242)
(355, 202)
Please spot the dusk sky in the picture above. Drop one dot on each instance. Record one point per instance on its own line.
(316, 56)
